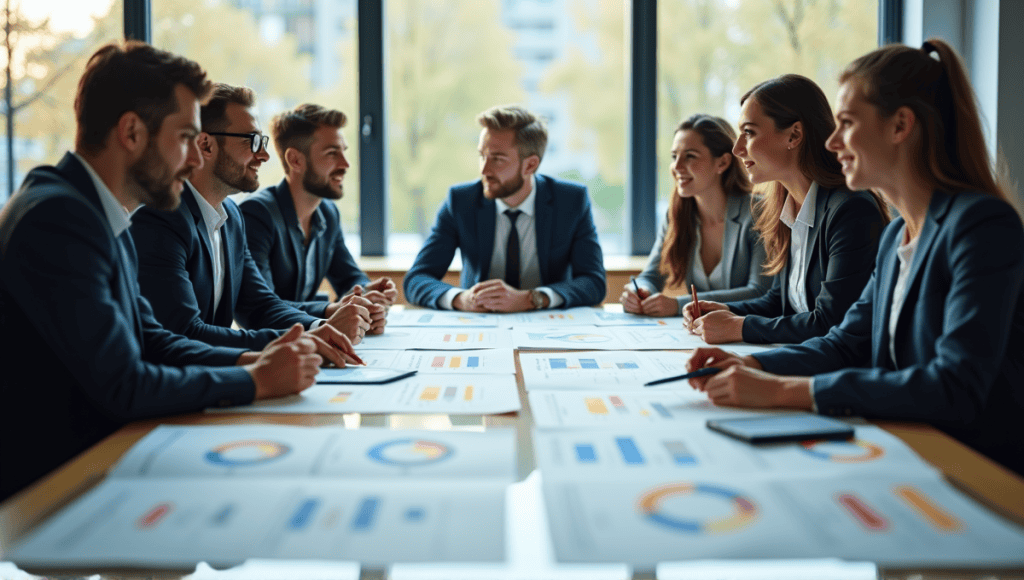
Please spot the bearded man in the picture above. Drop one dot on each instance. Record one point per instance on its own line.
(528, 241)
(194, 265)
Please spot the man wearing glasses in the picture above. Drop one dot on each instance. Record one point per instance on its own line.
(294, 228)
(194, 266)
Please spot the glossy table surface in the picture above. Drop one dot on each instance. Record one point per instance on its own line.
(999, 489)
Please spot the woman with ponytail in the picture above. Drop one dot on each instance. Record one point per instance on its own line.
(706, 240)
(938, 333)
(820, 238)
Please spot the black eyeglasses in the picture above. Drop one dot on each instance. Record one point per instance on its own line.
(257, 141)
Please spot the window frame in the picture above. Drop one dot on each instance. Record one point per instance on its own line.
(642, 182)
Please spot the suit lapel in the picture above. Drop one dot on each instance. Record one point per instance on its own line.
(731, 236)
(542, 212)
(78, 176)
(820, 202)
(886, 283)
(485, 225)
(229, 241)
(293, 233)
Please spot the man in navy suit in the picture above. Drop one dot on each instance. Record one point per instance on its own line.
(528, 241)
(194, 266)
(82, 352)
(293, 235)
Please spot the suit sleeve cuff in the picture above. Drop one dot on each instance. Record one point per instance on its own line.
(444, 302)
(810, 387)
(316, 324)
(554, 298)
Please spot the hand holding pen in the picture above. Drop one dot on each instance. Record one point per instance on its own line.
(633, 303)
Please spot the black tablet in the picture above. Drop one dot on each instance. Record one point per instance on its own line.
(360, 376)
(779, 428)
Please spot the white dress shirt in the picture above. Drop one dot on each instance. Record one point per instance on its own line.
(529, 265)
(899, 294)
(117, 215)
(800, 232)
(214, 218)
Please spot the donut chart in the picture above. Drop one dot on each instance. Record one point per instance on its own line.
(246, 452)
(651, 506)
(855, 451)
(409, 452)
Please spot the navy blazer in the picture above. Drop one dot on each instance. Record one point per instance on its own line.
(176, 275)
(839, 256)
(568, 252)
(959, 337)
(278, 246)
(743, 258)
(82, 352)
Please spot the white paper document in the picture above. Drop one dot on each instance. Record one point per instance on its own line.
(424, 317)
(619, 318)
(226, 494)
(468, 394)
(615, 369)
(629, 407)
(530, 555)
(475, 362)
(894, 520)
(405, 338)
(566, 337)
(258, 451)
(580, 315)
(689, 449)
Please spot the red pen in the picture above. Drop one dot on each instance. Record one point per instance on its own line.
(696, 305)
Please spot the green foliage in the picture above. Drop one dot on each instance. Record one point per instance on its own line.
(447, 62)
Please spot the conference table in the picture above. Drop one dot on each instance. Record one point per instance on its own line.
(985, 481)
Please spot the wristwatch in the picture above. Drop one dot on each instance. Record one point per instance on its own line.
(537, 298)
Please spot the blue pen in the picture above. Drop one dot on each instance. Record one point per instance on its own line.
(706, 371)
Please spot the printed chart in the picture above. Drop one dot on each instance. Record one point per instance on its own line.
(612, 318)
(577, 408)
(421, 318)
(267, 451)
(579, 316)
(163, 523)
(493, 361)
(891, 520)
(438, 339)
(462, 394)
(595, 369)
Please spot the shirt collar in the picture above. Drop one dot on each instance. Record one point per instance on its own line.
(528, 204)
(905, 252)
(215, 217)
(117, 215)
(806, 214)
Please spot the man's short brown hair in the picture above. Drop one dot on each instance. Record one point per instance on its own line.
(213, 114)
(295, 128)
(531, 136)
(134, 77)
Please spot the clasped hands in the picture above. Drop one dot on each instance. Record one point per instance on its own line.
(364, 310)
(493, 296)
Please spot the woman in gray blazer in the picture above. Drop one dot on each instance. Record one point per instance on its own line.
(706, 239)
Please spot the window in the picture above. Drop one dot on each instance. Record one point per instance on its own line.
(711, 53)
(288, 52)
(447, 62)
(48, 59)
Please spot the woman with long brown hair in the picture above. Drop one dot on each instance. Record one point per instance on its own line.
(820, 238)
(938, 333)
(706, 240)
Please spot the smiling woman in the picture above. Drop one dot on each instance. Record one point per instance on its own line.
(820, 238)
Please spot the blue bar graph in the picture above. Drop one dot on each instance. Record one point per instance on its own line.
(661, 410)
(304, 514)
(630, 452)
(628, 365)
(588, 363)
(558, 363)
(365, 515)
(474, 361)
(426, 318)
(585, 453)
(680, 453)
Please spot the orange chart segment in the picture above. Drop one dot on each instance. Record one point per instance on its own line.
(939, 518)
(596, 406)
(430, 394)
